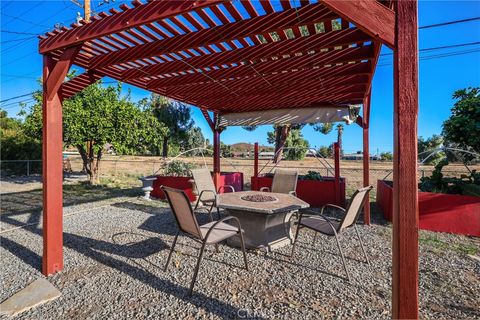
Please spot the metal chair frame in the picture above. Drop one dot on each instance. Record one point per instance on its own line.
(204, 240)
(214, 201)
(336, 230)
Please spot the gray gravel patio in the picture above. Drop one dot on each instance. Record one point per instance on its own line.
(116, 246)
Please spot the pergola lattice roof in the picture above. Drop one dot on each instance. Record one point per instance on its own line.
(240, 56)
(224, 56)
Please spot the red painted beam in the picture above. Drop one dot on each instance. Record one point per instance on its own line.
(52, 163)
(209, 120)
(359, 71)
(77, 84)
(57, 75)
(255, 166)
(251, 54)
(268, 66)
(216, 154)
(116, 23)
(241, 29)
(405, 187)
(259, 86)
(366, 155)
(371, 16)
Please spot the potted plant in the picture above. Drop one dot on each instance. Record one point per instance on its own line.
(176, 175)
(313, 188)
(445, 204)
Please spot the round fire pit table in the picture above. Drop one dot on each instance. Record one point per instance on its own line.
(265, 217)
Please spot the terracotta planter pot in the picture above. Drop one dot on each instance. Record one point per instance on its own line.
(315, 193)
(437, 211)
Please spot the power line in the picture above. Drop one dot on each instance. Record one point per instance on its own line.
(21, 96)
(25, 21)
(17, 32)
(441, 47)
(437, 56)
(448, 23)
(15, 40)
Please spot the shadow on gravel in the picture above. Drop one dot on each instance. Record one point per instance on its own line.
(22, 179)
(100, 251)
(31, 202)
(26, 255)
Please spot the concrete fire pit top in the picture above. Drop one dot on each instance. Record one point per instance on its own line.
(284, 202)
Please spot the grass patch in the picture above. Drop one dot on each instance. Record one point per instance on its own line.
(438, 245)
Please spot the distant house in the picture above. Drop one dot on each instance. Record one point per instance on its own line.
(266, 154)
(359, 156)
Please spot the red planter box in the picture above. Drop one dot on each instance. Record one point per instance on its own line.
(315, 193)
(437, 212)
(234, 179)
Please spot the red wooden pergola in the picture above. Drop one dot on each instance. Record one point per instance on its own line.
(225, 57)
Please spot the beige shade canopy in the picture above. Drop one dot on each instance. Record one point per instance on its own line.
(329, 114)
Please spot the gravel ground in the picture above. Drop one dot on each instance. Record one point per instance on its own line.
(115, 249)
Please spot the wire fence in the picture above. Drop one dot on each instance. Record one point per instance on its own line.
(116, 167)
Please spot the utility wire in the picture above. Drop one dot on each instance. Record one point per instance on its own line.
(17, 32)
(441, 47)
(15, 40)
(448, 23)
(21, 96)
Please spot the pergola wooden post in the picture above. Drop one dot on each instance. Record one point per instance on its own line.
(54, 73)
(255, 167)
(216, 152)
(366, 155)
(405, 184)
(211, 65)
(212, 123)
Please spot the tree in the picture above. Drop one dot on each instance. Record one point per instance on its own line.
(225, 150)
(325, 152)
(296, 146)
(428, 146)
(175, 116)
(339, 137)
(462, 129)
(17, 145)
(324, 128)
(193, 139)
(278, 137)
(386, 156)
(98, 115)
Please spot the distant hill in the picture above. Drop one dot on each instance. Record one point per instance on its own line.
(245, 147)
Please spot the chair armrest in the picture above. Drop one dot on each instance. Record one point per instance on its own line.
(333, 206)
(293, 193)
(203, 191)
(226, 186)
(200, 197)
(264, 189)
(237, 222)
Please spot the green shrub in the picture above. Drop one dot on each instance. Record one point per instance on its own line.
(178, 168)
(312, 175)
(465, 185)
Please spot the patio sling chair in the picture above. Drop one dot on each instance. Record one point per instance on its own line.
(207, 194)
(284, 181)
(210, 233)
(329, 227)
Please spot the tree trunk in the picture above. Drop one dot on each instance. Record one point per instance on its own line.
(281, 134)
(86, 161)
(96, 167)
(165, 147)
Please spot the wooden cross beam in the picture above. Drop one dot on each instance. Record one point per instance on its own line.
(371, 16)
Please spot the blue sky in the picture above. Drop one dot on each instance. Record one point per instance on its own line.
(440, 73)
